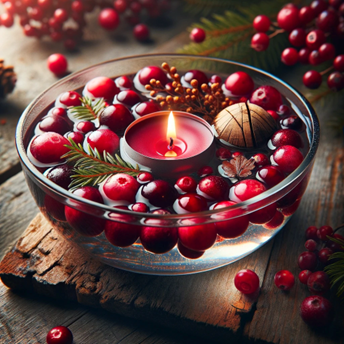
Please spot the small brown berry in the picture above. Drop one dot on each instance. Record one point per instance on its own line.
(193, 98)
(176, 99)
(187, 97)
(148, 87)
(194, 91)
(194, 83)
(165, 66)
(169, 99)
(153, 93)
(173, 70)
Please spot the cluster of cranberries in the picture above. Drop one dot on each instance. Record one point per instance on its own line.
(65, 20)
(313, 32)
(126, 99)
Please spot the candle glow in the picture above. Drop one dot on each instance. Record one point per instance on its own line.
(171, 135)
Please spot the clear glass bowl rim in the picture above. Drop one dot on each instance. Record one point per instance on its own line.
(265, 196)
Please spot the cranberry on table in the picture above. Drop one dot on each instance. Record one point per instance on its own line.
(60, 175)
(268, 97)
(335, 81)
(49, 147)
(190, 203)
(284, 280)
(287, 158)
(152, 72)
(116, 117)
(260, 41)
(120, 5)
(316, 311)
(246, 281)
(77, 137)
(318, 283)
(312, 79)
(108, 19)
(311, 245)
(262, 23)
(304, 275)
(290, 56)
(323, 232)
(121, 187)
(57, 124)
(57, 64)
(227, 226)
(59, 335)
(270, 175)
(186, 185)
(6, 19)
(197, 35)
(104, 140)
(144, 177)
(128, 97)
(197, 75)
(85, 126)
(307, 260)
(239, 83)
(187, 253)
(324, 254)
(141, 32)
(286, 137)
(196, 235)
(205, 171)
(213, 188)
(145, 108)
(102, 87)
(159, 193)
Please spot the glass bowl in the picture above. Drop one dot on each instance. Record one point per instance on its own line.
(52, 199)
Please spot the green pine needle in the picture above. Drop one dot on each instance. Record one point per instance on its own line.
(88, 111)
(335, 270)
(93, 168)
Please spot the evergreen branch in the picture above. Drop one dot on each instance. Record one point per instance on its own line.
(94, 168)
(88, 111)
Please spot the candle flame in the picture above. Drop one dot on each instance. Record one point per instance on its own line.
(171, 128)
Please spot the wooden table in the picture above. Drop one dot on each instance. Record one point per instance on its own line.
(27, 319)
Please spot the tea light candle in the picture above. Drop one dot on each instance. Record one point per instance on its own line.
(168, 144)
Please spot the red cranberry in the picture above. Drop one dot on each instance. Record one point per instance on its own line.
(311, 245)
(145, 108)
(61, 15)
(144, 177)
(102, 87)
(327, 20)
(189, 203)
(196, 74)
(239, 83)
(304, 55)
(108, 19)
(324, 254)
(236, 154)
(197, 35)
(262, 23)
(284, 110)
(306, 14)
(291, 209)
(307, 261)
(287, 158)
(231, 227)
(213, 188)
(128, 98)
(55, 124)
(187, 253)
(186, 185)
(223, 153)
(117, 117)
(312, 79)
(161, 212)
(215, 79)
(311, 233)
(246, 281)
(267, 97)
(6, 19)
(327, 51)
(297, 37)
(104, 140)
(69, 98)
(120, 5)
(205, 171)
(60, 175)
(315, 58)
(338, 63)
(315, 39)
(335, 81)
(333, 246)
(318, 283)
(158, 239)
(316, 311)
(286, 137)
(85, 126)
(304, 275)
(260, 160)
(58, 111)
(159, 193)
(49, 147)
(323, 232)
(264, 215)
(273, 114)
(121, 187)
(197, 235)
(77, 137)
(57, 64)
(270, 175)
(84, 223)
(260, 41)
(275, 222)
(140, 207)
(291, 122)
(290, 56)
(152, 72)
(288, 18)
(123, 82)
(284, 280)
(141, 32)
(59, 335)
(245, 190)
(318, 6)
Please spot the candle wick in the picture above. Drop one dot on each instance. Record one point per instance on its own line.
(171, 142)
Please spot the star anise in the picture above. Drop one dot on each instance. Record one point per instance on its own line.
(238, 167)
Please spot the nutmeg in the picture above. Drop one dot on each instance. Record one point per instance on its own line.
(244, 125)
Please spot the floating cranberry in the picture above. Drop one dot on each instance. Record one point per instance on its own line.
(60, 335)
(57, 124)
(267, 97)
(197, 75)
(145, 108)
(227, 226)
(141, 32)
(69, 99)
(140, 207)
(108, 19)
(316, 311)
(287, 158)
(84, 223)
(311, 245)
(236, 154)
(246, 281)
(213, 188)
(260, 160)
(260, 41)
(307, 261)
(57, 64)
(323, 232)
(318, 283)
(262, 23)
(288, 18)
(297, 37)
(158, 239)
(144, 177)
(77, 137)
(315, 39)
(291, 122)
(85, 126)
(197, 35)
(102, 87)
(290, 56)
(223, 153)
(116, 117)
(123, 82)
(189, 203)
(186, 185)
(128, 98)
(49, 147)
(187, 253)
(284, 110)
(312, 79)
(270, 175)
(205, 171)
(311, 233)
(324, 254)
(304, 275)
(159, 193)
(276, 221)
(196, 235)
(284, 280)
(104, 140)
(245, 190)
(284, 137)
(239, 83)
(152, 72)
(60, 175)
(121, 187)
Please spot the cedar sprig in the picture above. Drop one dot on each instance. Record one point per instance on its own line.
(88, 110)
(93, 168)
(206, 100)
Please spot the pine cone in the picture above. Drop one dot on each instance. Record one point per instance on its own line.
(7, 79)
